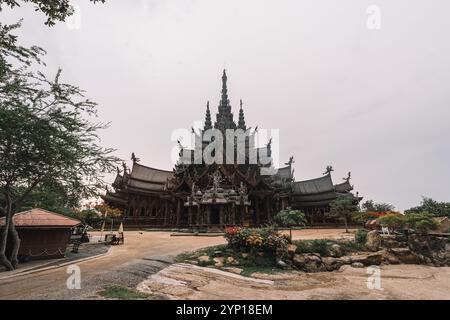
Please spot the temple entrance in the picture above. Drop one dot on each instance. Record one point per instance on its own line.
(215, 215)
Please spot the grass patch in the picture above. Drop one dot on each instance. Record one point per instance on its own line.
(323, 247)
(247, 271)
(186, 257)
(123, 293)
(319, 246)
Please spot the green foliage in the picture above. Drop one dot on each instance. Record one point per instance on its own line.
(48, 139)
(392, 221)
(49, 197)
(438, 209)
(344, 207)
(371, 206)
(248, 271)
(323, 247)
(122, 293)
(48, 135)
(320, 246)
(290, 218)
(92, 218)
(55, 10)
(313, 246)
(352, 246)
(360, 236)
(422, 222)
(253, 262)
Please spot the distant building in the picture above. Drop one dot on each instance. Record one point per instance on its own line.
(43, 234)
(443, 224)
(199, 195)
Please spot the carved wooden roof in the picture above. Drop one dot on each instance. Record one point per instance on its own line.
(318, 185)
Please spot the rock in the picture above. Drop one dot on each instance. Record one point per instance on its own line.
(345, 260)
(392, 243)
(389, 258)
(373, 240)
(193, 262)
(447, 247)
(203, 259)
(299, 260)
(309, 262)
(368, 258)
(231, 260)
(218, 253)
(261, 253)
(405, 255)
(282, 264)
(357, 265)
(244, 255)
(219, 262)
(336, 251)
(291, 249)
(233, 270)
(331, 263)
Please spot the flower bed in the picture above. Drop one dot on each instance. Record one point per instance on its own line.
(253, 240)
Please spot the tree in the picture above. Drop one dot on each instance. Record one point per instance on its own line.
(48, 136)
(438, 209)
(371, 206)
(344, 207)
(421, 222)
(393, 221)
(108, 212)
(54, 198)
(55, 10)
(289, 218)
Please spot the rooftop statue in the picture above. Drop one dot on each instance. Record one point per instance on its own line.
(328, 170)
(349, 176)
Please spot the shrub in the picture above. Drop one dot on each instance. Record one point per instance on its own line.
(393, 220)
(422, 222)
(320, 246)
(289, 218)
(360, 236)
(257, 239)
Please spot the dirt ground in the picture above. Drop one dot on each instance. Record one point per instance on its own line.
(147, 254)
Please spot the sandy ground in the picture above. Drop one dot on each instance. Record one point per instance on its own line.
(146, 254)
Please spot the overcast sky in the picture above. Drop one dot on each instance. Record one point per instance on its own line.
(374, 102)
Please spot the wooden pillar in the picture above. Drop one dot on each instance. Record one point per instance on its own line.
(165, 212)
(178, 212)
(197, 216)
(208, 215)
(233, 215)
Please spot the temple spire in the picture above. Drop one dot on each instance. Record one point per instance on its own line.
(224, 118)
(224, 102)
(208, 123)
(241, 122)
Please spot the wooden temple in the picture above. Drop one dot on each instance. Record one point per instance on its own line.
(200, 195)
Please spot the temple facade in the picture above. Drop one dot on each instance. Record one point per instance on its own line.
(239, 187)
